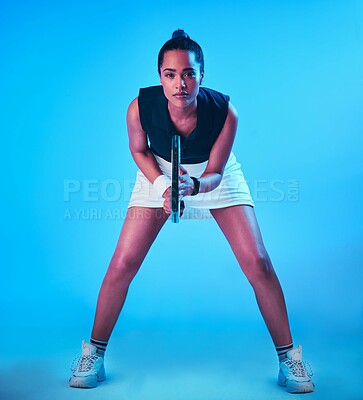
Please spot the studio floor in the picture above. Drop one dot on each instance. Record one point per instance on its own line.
(180, 364)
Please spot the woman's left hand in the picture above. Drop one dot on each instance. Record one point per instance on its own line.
(186, 183)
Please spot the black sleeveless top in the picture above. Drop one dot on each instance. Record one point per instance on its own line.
(212, 110)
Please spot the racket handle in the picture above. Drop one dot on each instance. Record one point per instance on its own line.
(175, 163)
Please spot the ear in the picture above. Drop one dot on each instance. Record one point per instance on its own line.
(201, 78)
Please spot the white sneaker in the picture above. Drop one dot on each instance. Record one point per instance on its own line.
(89, 370)
(293, 374)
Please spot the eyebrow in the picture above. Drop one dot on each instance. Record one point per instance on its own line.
(174, 70)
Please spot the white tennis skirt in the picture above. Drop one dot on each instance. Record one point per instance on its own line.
(233, 190)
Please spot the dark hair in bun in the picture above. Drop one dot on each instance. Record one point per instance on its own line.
(181, 41)
(179, 33)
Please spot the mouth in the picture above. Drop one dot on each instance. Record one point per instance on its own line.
(180, 95)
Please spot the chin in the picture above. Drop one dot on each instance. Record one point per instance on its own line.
(181, 103)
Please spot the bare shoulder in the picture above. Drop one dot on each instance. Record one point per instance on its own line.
(133, 110)
(231, 122)
(133, 116)
(137, 136)
(232, 113)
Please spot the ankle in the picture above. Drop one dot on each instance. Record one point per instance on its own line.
(100, 345)
(282, 351)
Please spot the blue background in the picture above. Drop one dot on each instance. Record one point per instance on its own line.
(69, 70)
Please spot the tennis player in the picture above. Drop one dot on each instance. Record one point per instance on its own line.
(211, 185)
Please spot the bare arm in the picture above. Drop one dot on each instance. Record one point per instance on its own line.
(138, 145)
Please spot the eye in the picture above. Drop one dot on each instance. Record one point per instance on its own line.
(190, 74)
(169, 75)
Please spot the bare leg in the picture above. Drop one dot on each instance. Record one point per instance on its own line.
(241, 229)
(139, 231)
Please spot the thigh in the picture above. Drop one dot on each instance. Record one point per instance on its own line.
(240, 227)
(140, 229)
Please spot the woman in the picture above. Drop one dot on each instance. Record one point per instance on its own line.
(211, 181)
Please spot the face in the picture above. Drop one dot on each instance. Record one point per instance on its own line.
(180, 77)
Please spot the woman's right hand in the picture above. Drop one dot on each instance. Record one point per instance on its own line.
(167, 202)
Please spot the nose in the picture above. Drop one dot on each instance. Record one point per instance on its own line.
(180, 84)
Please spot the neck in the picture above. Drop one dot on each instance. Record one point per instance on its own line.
(183, 113)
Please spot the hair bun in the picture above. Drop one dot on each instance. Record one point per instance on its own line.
(179, 33)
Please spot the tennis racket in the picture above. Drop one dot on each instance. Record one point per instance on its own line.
(175, 164)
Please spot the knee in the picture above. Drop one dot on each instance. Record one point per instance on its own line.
(259, 268)
(123, 268)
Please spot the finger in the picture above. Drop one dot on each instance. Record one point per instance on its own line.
(182, 171)
(167, 192)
